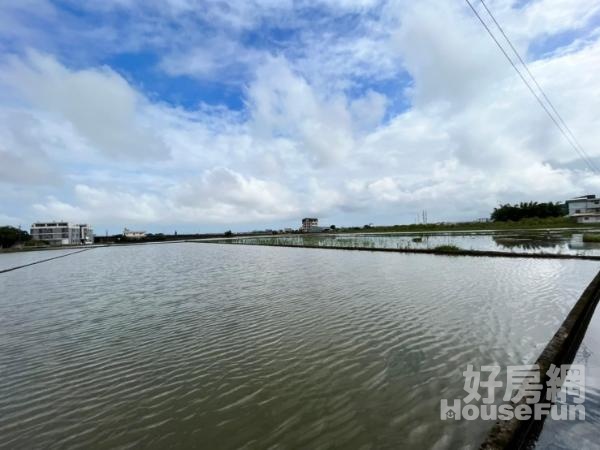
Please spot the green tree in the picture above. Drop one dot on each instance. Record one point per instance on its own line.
(10, 236)
(526, 210)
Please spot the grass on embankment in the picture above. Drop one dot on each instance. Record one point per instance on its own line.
(447, 249)
(589, 237)
(552, 222)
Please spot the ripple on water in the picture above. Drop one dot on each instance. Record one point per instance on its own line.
(252, 347)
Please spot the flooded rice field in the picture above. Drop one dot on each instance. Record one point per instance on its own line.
(229, 346)
(553, 242)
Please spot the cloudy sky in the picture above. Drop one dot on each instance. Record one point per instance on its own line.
(206, 115)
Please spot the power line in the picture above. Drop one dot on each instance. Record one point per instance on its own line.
(581, 153)
(564, 124)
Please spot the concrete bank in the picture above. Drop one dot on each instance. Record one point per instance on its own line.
(426, 251)
(43, 260)
(516, 434)
(87, 247)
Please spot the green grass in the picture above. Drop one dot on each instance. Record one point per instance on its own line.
(552, 222)
(447, 249)
(589, 237)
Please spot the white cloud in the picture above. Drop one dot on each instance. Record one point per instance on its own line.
(218, 196)
(546, 18)
(54, 208)
(223, 194)
(368, 111)
(449, 63)
(22, 159)
(214, 57)
(282, 103)
(98, 103)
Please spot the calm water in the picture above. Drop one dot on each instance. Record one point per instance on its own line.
(226, 346)
(519, 242)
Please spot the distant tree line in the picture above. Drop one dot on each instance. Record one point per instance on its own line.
(526, 210)
(152, 237)
(10, 236)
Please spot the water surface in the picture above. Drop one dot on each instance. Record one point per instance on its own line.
(20, 258)
(227, 346)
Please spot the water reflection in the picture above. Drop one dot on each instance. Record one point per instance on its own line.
(533, 242)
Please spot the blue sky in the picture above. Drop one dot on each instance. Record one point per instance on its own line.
(211, 115)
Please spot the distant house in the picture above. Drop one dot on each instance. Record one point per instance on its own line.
(62, 233)
(585, 209)
(130, 234)
(310, 224)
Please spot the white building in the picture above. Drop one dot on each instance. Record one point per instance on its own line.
(585, 209)
(311, 225)
(130, 234)
(308, 223)
(62, 233)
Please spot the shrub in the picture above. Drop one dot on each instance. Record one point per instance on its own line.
(447, 249)
(588, 237)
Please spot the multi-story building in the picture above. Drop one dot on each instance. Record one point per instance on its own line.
(310, 224)
(62, 233)
(585, 209)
